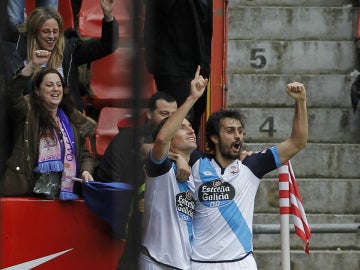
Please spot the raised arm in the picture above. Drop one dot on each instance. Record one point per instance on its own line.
(162, 142)
(107, 7)
(299, 133)
(95, 48)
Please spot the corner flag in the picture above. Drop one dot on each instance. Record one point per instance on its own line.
(291, 203)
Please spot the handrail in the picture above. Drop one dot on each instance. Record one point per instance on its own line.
(315, 228)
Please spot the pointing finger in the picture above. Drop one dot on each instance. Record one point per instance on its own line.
(197, 73)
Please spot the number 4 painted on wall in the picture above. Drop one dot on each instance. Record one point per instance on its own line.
(268, 126)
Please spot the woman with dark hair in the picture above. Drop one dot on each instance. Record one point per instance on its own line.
(50, 144)
(45, 31)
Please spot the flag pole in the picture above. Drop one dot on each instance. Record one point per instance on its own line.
(284, 203)
(285, 241)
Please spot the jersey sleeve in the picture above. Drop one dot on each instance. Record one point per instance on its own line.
(263, 162)
(156, 168)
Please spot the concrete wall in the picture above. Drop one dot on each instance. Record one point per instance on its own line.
(274, 42)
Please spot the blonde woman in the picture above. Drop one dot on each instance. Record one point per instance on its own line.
(45, 31)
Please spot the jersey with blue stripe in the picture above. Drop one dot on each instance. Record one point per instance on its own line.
(168, 214)
(225, 204)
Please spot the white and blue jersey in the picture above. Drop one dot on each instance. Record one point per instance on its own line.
(168, 214)
(225, 204)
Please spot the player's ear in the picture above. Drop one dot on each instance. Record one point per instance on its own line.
(214, 139)
(148, 115)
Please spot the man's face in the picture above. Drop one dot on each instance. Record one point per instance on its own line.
(184, 139)
(231, 135)
(163, 109)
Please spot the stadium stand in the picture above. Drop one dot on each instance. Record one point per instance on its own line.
(64, 8)
(109, 122)
(90, 17)
(111, 81)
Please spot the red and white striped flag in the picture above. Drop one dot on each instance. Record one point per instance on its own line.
(291, 203)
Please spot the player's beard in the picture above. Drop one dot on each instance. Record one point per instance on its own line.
(226, 151)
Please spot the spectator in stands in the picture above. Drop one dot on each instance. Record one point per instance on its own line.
(177, 36)
(225, 187)
(116, 163)
(169, 203)
(50, 147)
(45, 31)
(16, 9)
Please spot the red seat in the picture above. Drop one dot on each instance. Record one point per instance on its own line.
(64, 8)
(91, 15)
(111, 81)
(107, 128)
(110, 119)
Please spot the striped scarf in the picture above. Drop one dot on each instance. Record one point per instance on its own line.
(60, 157)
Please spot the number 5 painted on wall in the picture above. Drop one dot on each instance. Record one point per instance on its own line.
(255, 56)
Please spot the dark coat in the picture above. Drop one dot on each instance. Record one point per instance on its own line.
(177, 36)
(117, 164)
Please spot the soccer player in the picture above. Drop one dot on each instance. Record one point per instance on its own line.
(225, 187)
(169, 204)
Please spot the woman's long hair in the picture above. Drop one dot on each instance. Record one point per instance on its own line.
(36, 19)
(47, 122)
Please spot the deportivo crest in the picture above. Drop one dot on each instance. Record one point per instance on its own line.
(234, 169)
(185, 205)
(216, 193)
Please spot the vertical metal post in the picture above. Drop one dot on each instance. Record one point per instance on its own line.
(284, 204)
(285, 241)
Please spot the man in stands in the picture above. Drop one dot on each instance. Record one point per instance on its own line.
(117, 164)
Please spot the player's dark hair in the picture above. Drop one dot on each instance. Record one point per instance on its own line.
(213, 124)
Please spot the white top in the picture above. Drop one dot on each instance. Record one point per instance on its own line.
(225, 204)
(168, 214)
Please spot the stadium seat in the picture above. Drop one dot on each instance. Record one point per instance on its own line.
(111, 81)
(107, 128)
(91, 15)
(109, 122)
(64, 8)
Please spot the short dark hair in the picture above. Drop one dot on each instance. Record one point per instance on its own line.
(157, 96)
(213, 124)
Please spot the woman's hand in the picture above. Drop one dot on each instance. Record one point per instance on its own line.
(86, 176)
(107, 7)
(38, 58)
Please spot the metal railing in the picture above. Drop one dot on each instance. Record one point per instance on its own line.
(315, 228)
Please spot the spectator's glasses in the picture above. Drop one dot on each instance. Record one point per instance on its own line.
(47, 31)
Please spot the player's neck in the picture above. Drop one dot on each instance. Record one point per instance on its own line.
(223, 161)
